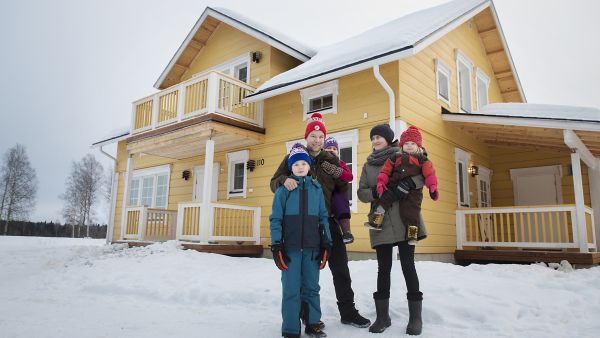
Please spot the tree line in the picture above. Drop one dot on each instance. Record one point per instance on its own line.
(85, 184)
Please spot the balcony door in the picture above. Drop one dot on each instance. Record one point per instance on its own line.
(199, 183)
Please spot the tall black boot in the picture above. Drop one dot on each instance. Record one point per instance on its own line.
(383, 321)
(415, 324)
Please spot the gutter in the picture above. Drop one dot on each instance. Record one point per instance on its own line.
(392, 98)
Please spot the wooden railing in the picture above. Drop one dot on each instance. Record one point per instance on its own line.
(213, 92)
(147, 224)
(224, 222)
(553, 227)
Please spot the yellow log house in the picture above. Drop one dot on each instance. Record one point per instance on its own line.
(518, 181)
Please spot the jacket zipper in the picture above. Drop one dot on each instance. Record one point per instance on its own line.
(302, 194)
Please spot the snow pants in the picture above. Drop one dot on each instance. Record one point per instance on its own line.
(300, 282)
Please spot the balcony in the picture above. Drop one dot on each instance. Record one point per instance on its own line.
(212, 93)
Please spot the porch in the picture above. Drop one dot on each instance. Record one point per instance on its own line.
(207, 227)
(533, 223)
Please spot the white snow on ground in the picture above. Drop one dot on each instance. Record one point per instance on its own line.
(73, 288)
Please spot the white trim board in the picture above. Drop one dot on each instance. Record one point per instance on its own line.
(522, 121)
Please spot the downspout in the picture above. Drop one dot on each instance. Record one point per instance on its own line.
(113, 198)
(392, 98)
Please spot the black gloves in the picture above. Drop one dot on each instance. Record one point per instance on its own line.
(279, 256)
(404, 188)
(325, 248)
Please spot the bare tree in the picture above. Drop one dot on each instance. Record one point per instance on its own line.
(18, 186)
(83, 186)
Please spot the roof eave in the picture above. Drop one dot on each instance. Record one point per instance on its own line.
(238, 25)
(110, 140)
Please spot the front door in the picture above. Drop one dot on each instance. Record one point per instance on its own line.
(199, 183)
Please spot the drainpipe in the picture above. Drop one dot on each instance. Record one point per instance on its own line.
(113, 198)
(392, 99)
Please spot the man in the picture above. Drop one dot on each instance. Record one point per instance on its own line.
(325, 168)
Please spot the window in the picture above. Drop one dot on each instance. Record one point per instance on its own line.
(348, 143)
(321, 98)
(442, 76)
(464, 69)
(462, 159)
(482, 87)
(236, 173)
(150, 187)
(241, 72)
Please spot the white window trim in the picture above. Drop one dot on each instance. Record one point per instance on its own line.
(155, 172)
(485, 174)
(480, 75)
(241, 156)
(461, 156)
(555, 170)
(229, 65)
(461, 58)
(327, 88)
(441, 67)
(345, 139)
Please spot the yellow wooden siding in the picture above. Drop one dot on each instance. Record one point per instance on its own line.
(227, 43)
(281, 62)
(504, 159)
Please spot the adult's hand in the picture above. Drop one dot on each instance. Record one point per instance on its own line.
(290, 184)
(404, 188)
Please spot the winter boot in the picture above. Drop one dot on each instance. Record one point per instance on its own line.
(415, 324)
(355, 319)
(383, 321)
(315, 331)
(304, 315)
(375, 221)
(290, 335)
(412, 232)
(347, 238)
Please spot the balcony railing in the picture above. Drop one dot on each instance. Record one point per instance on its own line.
(147, 224)
(213, 92)
(552, 227)
(224, 222)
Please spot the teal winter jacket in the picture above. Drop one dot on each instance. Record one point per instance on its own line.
(297, 214)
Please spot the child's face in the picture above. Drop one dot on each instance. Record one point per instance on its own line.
(410, 147)
(332, 150)
(300, 168)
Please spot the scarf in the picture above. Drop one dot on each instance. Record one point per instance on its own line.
(378, 157)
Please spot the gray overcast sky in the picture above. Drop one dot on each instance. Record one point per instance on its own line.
(70, 69)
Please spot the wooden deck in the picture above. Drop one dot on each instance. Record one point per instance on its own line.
(525, 256)
(241, 250)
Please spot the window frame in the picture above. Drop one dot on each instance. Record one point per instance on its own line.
(234, 158)
(462, 59)
(153, 172)
(441, 67)
(464, 158)
(230, 66)
(347, 138)
(315, 92)
(480, 75)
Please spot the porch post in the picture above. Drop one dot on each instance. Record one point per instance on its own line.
(594, 177)
(579, 202)
(206, 213)
(127, 179)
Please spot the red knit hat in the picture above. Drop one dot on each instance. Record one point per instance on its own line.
(315, 122)
(411, 134)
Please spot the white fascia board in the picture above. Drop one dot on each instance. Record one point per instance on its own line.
(246, 29)
(359, 66)
(522, 122)
(507, 51)
(574, 142)
(433, 37)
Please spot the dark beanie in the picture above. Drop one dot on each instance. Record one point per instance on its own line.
(384, 131)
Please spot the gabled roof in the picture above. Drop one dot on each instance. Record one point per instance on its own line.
(397, 39)
(268, 35)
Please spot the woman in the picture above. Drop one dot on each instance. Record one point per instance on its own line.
(392, 234)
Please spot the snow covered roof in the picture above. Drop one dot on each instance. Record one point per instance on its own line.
(399, 38)
(541, 111)
(113, 136)
(261, 32)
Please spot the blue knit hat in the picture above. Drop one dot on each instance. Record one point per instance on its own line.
(330, 141)
(296, 154)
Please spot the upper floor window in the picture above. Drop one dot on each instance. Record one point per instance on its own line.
(442, 76)
(238, 68)
(482, 88)
(150, 187)
(320, 98)
(464, 68)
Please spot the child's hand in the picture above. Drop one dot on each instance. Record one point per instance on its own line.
(279, 256)
(433, 193)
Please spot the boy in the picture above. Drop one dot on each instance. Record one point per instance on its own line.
(340, 206)
(411, 160)
(301, 244)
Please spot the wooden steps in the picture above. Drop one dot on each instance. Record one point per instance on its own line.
(525, 256)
